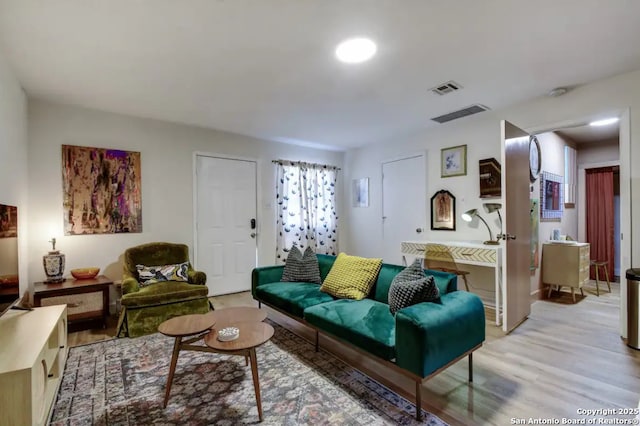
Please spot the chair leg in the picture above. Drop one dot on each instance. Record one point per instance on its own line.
(606, 274)
(466, 284)
(550, 290)
(471, 367)
(597, 286)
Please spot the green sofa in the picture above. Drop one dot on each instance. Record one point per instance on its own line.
(145, 308)
(419, 341)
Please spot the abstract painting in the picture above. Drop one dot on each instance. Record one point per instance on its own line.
(101, 190)
(8, 221)
(360, 188)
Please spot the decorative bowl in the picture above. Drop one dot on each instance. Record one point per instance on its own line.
(85, 273)
(228, 333)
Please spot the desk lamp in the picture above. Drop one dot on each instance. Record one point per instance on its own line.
(468, 217)
(494, 207)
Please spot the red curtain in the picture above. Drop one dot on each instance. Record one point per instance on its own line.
(599, 217)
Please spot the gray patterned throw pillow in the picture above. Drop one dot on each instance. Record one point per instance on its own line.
(412, 286)
(302, 267)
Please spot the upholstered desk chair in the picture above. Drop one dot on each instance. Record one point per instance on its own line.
(439, 258)
(149, 300)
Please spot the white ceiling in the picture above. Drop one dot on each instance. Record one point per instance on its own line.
(588, 134)
(266, 68)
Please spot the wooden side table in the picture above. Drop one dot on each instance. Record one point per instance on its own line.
(87, 300)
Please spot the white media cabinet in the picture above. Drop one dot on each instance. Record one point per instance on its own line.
(33, 352)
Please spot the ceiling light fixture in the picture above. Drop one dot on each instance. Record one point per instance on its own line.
(558, 91)
(356, 50)
(604, 122)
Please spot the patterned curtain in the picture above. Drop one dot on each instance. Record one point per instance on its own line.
(307, 215)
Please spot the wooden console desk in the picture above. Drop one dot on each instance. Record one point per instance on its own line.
(470, 253)
(87, 300)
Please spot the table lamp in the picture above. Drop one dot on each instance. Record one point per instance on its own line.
(468, 217)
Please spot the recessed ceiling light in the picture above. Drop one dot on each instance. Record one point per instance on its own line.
(356, 50)
(604, 122)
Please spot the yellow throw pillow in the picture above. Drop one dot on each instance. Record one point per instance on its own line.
(351, 277)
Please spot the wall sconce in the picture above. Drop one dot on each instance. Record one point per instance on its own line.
(494, 207)
(468, 217)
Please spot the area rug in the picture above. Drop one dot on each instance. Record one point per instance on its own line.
(122, 382)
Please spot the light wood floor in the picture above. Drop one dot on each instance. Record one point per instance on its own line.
(563, 357)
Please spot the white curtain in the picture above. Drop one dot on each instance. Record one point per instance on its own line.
(306, 208)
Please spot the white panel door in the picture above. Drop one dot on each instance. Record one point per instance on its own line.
(225, 207)
(403, 204)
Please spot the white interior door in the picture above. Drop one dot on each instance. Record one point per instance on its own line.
(403, 204)
(225, 206)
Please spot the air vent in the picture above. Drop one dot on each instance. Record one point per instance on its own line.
(444, 88)
(473, 109)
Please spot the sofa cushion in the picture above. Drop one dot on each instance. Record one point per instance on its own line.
(365, 323)
(292, 297)
(164, 292)
(154, 274)
(301, 267)
(445, 281)
(351, 277)
(412, 286)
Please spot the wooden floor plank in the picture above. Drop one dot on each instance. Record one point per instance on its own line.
(565, 356)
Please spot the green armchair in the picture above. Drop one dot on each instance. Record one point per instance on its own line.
(144, 307)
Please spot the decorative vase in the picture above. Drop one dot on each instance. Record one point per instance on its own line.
(54, 266)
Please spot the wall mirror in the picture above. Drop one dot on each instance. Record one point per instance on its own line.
(9, 289)
(551, 197)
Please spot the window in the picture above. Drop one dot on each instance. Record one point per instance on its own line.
(306, 208)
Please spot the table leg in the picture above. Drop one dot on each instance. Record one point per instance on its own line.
(172, 368)
(256, 383)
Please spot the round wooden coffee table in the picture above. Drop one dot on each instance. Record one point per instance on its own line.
(180, 327)
(252, 334)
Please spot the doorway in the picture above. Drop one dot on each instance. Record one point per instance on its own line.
(225, 224)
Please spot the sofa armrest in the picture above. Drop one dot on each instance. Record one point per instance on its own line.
(197, 277)
(129, 285)
(265, 275)
(431, 335)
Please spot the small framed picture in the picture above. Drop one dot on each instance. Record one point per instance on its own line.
(453, 161)
(443, 211)
(360, 192)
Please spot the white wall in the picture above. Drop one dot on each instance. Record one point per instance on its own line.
(13, 157)
(552, 149)
(167, 179)
(598, 152)
(481, 133)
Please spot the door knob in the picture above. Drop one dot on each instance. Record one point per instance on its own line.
(253, 235)
(506, 237)
(418, 230)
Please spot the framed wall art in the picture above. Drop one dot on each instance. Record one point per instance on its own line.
(551, 197)
(360, 192)
(443, 211)
(101, 191)
(453, 161)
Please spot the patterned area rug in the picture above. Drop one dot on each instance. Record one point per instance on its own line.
(122, 382)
